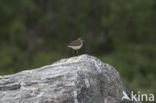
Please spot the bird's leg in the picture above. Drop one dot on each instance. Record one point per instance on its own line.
(77, 52)
(73, 52)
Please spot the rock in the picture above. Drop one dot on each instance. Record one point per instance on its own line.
(82, 79)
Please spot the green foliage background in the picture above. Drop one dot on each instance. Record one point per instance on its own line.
(33, 33)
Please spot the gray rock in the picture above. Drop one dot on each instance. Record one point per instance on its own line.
(82, 79)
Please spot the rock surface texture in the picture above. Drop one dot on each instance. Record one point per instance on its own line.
(82, 79)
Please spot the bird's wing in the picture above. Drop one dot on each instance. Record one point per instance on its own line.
(75, 43)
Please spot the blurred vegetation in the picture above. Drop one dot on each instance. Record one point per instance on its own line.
(33, 33)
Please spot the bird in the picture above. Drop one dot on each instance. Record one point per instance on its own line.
(76, 45)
